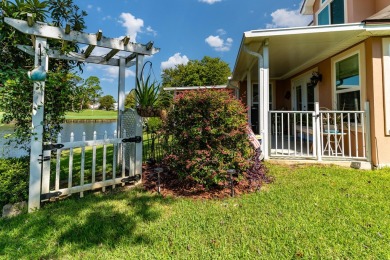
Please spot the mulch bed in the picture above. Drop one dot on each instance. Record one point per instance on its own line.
(172, 185)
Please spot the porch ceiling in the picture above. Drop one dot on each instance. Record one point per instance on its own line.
(295, 49)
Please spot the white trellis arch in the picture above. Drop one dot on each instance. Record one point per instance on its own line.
(130, 54)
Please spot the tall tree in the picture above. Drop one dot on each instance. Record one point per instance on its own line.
(130, 99)
(91, 91)
(15, 87)
(107, 102)
(206, 72)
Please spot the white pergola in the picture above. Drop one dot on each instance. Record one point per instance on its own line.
(130, 54)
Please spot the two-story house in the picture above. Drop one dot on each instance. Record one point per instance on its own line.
(321, 92)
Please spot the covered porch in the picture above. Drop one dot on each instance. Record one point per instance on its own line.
(296, 116)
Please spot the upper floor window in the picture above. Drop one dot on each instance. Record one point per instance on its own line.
(332, 12)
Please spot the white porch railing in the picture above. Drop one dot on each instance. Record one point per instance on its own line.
(320, 134)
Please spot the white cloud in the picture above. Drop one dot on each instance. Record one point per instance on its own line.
(174, 60)
(221, 31)
(108, 17)
(89, 6)
(110, 80)
(151, 31)
(99, 9)
(113, 71)
(288, 18)
(218, 43)
(210, 2)
(133, 25)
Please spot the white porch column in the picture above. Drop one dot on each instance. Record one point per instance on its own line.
(249, 96)
(35, 183)
(265, 102)
(260, 104)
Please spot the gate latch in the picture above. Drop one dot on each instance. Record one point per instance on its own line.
(52, 146)
(44, 158)
(135, 139)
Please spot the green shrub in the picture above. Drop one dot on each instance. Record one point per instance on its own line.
(208, 136)
(14, 175)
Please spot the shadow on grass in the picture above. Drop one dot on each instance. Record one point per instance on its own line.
(103, 221)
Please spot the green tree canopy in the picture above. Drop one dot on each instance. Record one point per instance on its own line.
(91, 91)
(130, 99)
(206, 72)
(107, 102)
(15, 87)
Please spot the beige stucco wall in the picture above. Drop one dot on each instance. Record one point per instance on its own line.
(380, 4)
(358, 10)
(375, 95)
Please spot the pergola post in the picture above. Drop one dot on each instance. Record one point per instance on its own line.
(138, 131)
(121, 103)
(35, 183)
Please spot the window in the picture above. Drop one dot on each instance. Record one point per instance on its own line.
(255, 94)
(323, 16)
(332, 13)
(270, 97)
(348, 83)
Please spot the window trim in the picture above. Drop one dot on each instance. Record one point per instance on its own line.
(302, 79)
(324, 4)
(359, 49)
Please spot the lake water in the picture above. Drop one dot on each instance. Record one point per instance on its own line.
(68, 128)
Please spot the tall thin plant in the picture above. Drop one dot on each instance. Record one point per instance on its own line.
(147, 92)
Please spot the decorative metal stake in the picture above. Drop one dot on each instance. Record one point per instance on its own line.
(158, 170)
(231, 172)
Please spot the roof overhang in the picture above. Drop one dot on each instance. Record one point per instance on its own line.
(307, 7)
(293, 50)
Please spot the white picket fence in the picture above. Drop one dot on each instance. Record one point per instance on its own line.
(113, 170)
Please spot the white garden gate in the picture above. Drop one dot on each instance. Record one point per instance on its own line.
(121, 53)
(82, 172)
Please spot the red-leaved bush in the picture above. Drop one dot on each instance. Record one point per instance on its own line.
(207, 133)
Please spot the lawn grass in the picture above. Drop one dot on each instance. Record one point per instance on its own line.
(89, 114)
(308, 212)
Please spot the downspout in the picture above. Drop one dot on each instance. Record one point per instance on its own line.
(260, 84)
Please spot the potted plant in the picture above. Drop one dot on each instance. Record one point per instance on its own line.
(146, 97)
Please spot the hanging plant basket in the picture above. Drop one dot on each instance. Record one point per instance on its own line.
(148, 111)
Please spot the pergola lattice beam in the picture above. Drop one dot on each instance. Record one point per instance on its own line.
(47, 31)
(89, 50)
(110, 54)
(55, 54)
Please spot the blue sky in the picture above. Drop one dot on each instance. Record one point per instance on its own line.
(183, 29)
